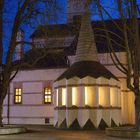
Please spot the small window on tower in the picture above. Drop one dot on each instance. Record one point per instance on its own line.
(18, 96)
(48, 96)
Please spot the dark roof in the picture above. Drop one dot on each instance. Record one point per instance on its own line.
(64, 30)
(49, 59)
(87, 68)
(57, 30)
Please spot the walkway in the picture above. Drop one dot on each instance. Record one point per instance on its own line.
(48, 133)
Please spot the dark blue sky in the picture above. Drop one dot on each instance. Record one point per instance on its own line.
(11, 8)
(9, 14)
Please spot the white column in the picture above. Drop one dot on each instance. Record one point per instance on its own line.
(114, 96)
(69, 96)
(119, 98)
(55, 97)
(107, 96)
(81, 96)
(59, 97)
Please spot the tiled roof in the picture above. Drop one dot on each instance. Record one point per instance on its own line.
(64, 30)
(58, 30)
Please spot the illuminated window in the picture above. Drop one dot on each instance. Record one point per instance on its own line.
(74, 96)
(86, 96)
(18, 96)
(48, 95)
(63, 96)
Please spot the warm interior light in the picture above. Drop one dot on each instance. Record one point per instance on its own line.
(112, 97)
(101, 96)
(47, 96)
(86, 96)
(18, 95)
(63, 96)
(74, 96)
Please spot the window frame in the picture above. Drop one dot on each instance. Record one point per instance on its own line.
(47, 95)
(17, 95)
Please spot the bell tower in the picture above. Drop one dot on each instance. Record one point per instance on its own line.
(75, 8)
(19, 48)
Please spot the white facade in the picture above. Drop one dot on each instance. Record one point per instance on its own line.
(30, 108)
(34, 111)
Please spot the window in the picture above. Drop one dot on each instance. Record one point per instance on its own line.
(18, 96)
(63, 96)
(47, 120)
(48, 95)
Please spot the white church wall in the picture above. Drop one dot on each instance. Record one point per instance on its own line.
(32, 87)
(32, 109)
(37, 98)
(127, 97)
(32, 82)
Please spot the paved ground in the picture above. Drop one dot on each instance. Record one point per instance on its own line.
(48, 133)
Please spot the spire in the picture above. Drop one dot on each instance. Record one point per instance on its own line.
(86, 47)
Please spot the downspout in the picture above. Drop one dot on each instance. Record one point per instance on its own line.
(8, 106)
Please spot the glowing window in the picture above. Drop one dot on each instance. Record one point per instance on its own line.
(63, 96)
(48, 95)
(74, 96)
(18, 96)
(86, 96)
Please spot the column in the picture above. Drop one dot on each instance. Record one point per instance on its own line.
(81, 96)
(69, 96)
(114, 96)
(59, 97)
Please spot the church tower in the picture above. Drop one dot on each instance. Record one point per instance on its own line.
(19, 48)
(75, 8)
(87, 95)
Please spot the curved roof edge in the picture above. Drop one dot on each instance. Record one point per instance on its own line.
(87, 68)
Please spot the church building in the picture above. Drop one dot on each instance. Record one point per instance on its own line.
(76, 85)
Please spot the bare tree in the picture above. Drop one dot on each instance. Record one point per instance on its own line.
(27, 11)
(129, 39)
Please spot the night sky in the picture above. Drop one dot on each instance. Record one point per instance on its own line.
(9, 14)
(10, 10)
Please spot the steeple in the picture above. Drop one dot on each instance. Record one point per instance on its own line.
(86, 48)
(76, 91)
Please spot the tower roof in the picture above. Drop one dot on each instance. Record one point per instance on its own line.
(87, 68)
(86, 47)
(86, 63)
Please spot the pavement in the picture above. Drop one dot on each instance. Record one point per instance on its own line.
(38, 132)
